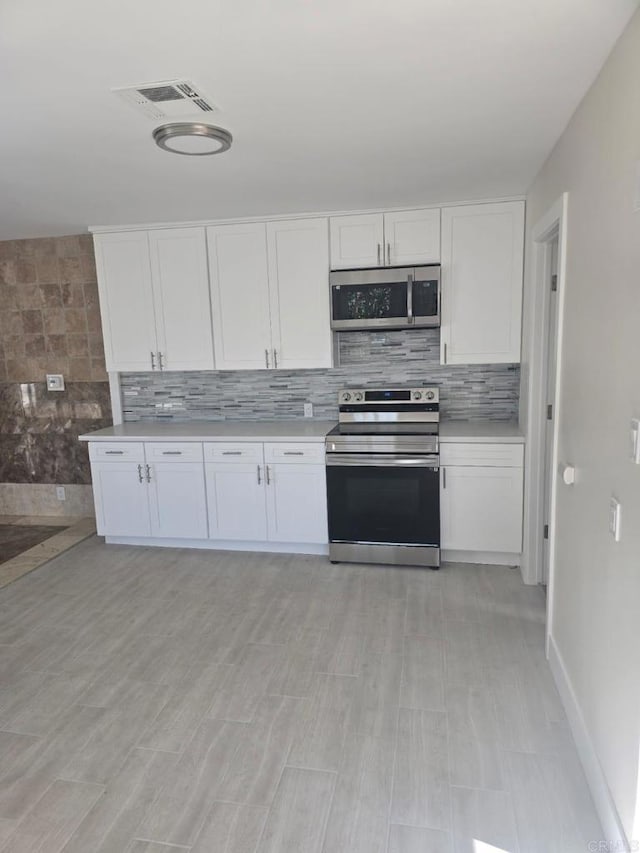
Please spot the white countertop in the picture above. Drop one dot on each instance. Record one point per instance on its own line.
(482, 432)
(293, 430)
(298, 430)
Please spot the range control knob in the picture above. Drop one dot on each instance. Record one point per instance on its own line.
(430, 395)
(417, 395)
(346, 396)
(357, 397)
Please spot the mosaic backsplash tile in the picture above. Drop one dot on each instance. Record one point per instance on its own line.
(364, 359)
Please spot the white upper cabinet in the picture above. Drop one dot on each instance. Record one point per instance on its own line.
(126, 300)
(181, 297)
(357, 241)
(154, 300)
(412, 237)
(397, 238)
(482, 261)
(240, 295)
(270, 294)
(298, 284)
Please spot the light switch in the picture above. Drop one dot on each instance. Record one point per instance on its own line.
(615, 512)
(635, 440)
(308, 410)
(55, 382)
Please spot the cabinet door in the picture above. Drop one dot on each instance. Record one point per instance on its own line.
(297, 503)
(481, 509)
(236, 501)
(240, 296)
(121, 499)
(177, 500)
(412, 237)
(126, 300)
(299, 290)
(181, 298)
(357, 241)
(482, 256)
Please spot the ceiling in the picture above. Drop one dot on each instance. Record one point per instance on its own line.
(333, 104)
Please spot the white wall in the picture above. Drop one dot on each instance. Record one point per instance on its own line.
(595, 623)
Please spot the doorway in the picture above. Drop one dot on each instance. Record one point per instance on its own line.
(543, 353)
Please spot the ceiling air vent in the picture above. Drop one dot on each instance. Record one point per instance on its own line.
(167, 99)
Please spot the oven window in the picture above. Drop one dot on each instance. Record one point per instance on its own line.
(369, 301)
(383, 505)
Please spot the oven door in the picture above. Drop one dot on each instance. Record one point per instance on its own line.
(380, 499)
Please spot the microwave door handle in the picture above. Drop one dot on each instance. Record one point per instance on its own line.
(410, 299)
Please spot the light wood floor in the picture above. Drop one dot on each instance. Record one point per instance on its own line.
(157, 701)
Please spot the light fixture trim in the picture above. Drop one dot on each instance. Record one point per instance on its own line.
(164, 134)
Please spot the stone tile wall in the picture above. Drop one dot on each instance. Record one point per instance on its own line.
(49, 323)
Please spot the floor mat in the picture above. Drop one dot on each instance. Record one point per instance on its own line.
(17, 538)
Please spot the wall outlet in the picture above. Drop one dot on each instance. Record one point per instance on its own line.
(60, 493)
(308, 410)
(615, 512)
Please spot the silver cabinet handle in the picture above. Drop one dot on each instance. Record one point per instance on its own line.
(378, 254)
(275, 358)
(259, 477)
(140, 477)
(266, 357)
(232, 453)
(389, 254)
(410, 317)
(444, 478)
(445, 352)
(114, 453)
(153, 361)
(268, 473)
(148, 471)
(172, 453)
(160, 364)
(293, 453)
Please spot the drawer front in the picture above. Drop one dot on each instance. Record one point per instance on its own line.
(229, 451)
(173, 451)
(116, 451)
(298, 451)
(485, 455)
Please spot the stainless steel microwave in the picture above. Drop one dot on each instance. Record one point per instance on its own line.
(390, 298)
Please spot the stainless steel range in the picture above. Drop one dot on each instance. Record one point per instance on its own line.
(383, 481)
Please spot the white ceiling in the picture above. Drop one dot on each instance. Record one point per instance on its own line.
(333, 104)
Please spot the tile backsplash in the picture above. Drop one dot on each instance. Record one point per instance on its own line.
(364, 359)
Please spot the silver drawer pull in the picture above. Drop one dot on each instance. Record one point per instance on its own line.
(172, 453)
(114, 453)
(232, 453)
(140, 477)
(294, 453)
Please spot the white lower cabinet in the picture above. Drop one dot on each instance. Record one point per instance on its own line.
(236, 501)
(221, 491)
(142, 499)
(297, 503)
(266, 501)
(177, 501)
(481, 497)
(121, 499)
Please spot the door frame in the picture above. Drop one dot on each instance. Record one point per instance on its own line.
(553, 224)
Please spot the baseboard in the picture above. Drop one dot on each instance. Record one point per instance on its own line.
(222, 545)
(487, 557)
(607, 812)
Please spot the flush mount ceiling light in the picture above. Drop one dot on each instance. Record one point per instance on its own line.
(192, 138)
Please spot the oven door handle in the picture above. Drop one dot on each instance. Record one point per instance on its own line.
(374, 460)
